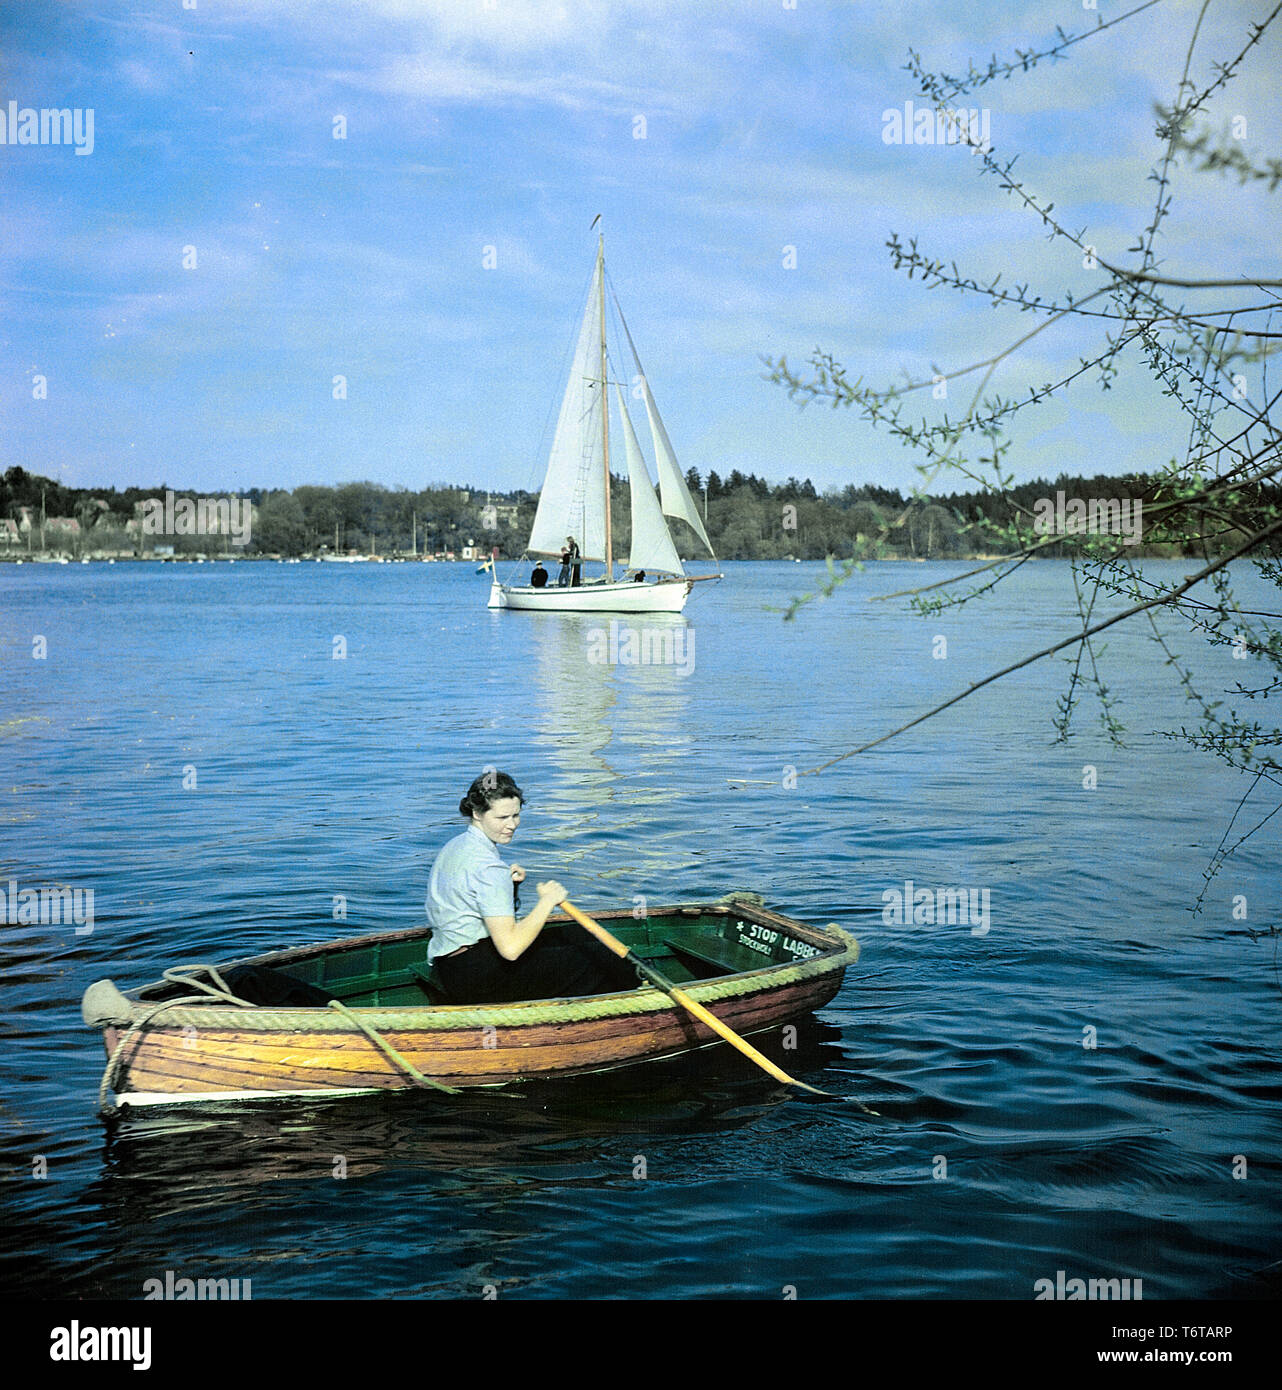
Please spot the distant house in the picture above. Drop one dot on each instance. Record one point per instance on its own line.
(505, 512)
(9, 533)
(55, 527)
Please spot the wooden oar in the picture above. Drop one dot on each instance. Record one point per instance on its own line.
(691, 1006)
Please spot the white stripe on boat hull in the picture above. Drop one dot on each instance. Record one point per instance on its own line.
(147, 1098)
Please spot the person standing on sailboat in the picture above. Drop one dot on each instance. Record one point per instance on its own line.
(569, 558)
(480, 952)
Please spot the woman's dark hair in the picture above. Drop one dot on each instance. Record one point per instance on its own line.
(488, 788)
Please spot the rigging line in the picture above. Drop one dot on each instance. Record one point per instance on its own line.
(614, 367)
(627, 332)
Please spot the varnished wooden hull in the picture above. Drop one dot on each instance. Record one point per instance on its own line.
(208, 1052)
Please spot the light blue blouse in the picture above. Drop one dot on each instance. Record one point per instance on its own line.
(468, 883)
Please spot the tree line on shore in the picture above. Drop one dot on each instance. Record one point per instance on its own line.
(747, 518)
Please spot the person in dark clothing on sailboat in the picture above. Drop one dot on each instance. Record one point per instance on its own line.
(571, 564)
(539, 579)
(479, 952)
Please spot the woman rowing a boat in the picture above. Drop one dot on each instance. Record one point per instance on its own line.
(479, 951)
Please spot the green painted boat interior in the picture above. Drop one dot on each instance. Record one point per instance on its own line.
(395, 974)
(684, 944)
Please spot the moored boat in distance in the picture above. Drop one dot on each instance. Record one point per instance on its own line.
(385, 1026)
(575, 499)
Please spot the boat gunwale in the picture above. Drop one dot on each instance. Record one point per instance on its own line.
(839, 949)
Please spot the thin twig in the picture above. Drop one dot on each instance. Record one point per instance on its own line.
(1056, 647)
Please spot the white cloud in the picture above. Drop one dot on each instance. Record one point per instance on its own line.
(439, 78)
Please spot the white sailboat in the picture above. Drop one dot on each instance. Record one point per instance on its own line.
(575, 500)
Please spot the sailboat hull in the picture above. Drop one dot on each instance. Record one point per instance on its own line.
(666, 596)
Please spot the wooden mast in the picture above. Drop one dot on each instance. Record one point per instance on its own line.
(605, 410)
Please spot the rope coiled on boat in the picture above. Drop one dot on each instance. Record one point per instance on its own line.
(176, 975)
(216, 988)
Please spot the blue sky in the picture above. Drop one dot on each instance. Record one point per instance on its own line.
(507, 124)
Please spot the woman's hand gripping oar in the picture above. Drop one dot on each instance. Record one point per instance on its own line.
(691, 1006)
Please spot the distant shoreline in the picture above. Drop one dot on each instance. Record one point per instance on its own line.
(745, 518)
(50, 558)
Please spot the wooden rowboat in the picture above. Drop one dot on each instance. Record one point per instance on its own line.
(385, 1025)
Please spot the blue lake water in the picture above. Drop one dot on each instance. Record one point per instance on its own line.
(1004, 1149)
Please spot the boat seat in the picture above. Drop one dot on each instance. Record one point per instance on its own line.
(650, 950)
(725, 956)
(428, 983)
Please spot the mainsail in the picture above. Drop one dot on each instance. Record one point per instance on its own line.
(652, 547)
(573, 502)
